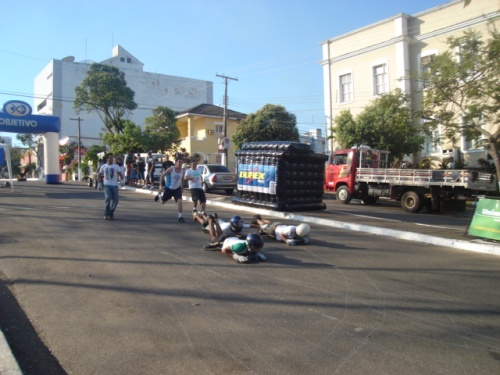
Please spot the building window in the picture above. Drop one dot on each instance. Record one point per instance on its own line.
(433, 143)
(380, 79)
(345, 86)
(129, 60)
(473, 144)
(42, 104)
(218, 130)
(122, 59)
(425, 69)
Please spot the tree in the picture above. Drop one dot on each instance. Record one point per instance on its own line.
(92, 155)
(16, 155)
(161, 132)
(34, 144)
(105, 91)
(345, 131)
(271, 123)
(132, 139)
(384, 124)
(462, 93)
(68, 151)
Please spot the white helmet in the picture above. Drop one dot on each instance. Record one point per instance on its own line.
(302, 230)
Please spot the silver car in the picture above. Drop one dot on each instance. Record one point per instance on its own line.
(217, 177)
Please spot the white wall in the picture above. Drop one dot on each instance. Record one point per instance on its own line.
(59, 78)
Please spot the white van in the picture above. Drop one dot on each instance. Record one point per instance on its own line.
(158, 160)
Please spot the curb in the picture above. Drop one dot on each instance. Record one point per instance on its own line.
(8, 362)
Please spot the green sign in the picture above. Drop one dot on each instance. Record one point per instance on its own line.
(486, 219)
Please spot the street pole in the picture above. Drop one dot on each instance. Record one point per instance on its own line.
(79, 148)
(225, 113)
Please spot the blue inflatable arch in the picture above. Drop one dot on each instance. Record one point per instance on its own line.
(17, 118)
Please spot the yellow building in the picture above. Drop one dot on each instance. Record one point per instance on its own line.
(202, 131)
(379, 58)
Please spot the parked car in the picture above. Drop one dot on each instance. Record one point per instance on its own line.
(217, 177)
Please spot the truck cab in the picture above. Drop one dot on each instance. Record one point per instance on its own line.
(342, 167)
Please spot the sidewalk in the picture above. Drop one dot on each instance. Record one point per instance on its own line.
(8, 364)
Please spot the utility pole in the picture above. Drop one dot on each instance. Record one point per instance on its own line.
(79, 148)
(225, 115)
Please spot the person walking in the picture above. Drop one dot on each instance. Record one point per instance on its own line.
(108, 175)
(193, 176)
(172, 178)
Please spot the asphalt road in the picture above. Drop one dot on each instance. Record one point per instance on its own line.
(138, 295)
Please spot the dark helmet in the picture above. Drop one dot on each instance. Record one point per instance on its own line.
(255, 242)
(236, 223)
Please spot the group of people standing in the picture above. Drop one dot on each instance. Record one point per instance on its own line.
(139, 171)
(224, 236)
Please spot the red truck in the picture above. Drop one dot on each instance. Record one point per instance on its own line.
(363, 173)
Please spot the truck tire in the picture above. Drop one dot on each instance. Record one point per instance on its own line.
(343, 195)
(412, 202)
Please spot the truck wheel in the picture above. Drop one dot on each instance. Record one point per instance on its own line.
(229, 191)
(412, 202)
(343, 195)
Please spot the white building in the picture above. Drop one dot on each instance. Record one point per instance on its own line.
(55, 93)
(315, 139)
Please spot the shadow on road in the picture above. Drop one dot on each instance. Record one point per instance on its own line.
(31, 354)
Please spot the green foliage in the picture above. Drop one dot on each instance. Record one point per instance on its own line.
(385, 124)
(271, 123)
(85, 169)
(91, 157)
(425, 163)
(161, 133)
(16, 155)
(132, 139)
(68, 151)
(34, 143)
(462, 95)
(105, 91)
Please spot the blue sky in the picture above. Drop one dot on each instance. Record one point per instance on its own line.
(271, 46)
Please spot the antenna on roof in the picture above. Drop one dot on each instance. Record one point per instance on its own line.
(69, 59)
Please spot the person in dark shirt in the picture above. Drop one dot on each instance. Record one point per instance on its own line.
(167, 163)
(151, 169)
(141, 168)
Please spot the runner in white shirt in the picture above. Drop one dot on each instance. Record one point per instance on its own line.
(173, 177)
(108, 174)
(193, 176)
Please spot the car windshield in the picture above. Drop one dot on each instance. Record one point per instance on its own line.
(217, 168)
